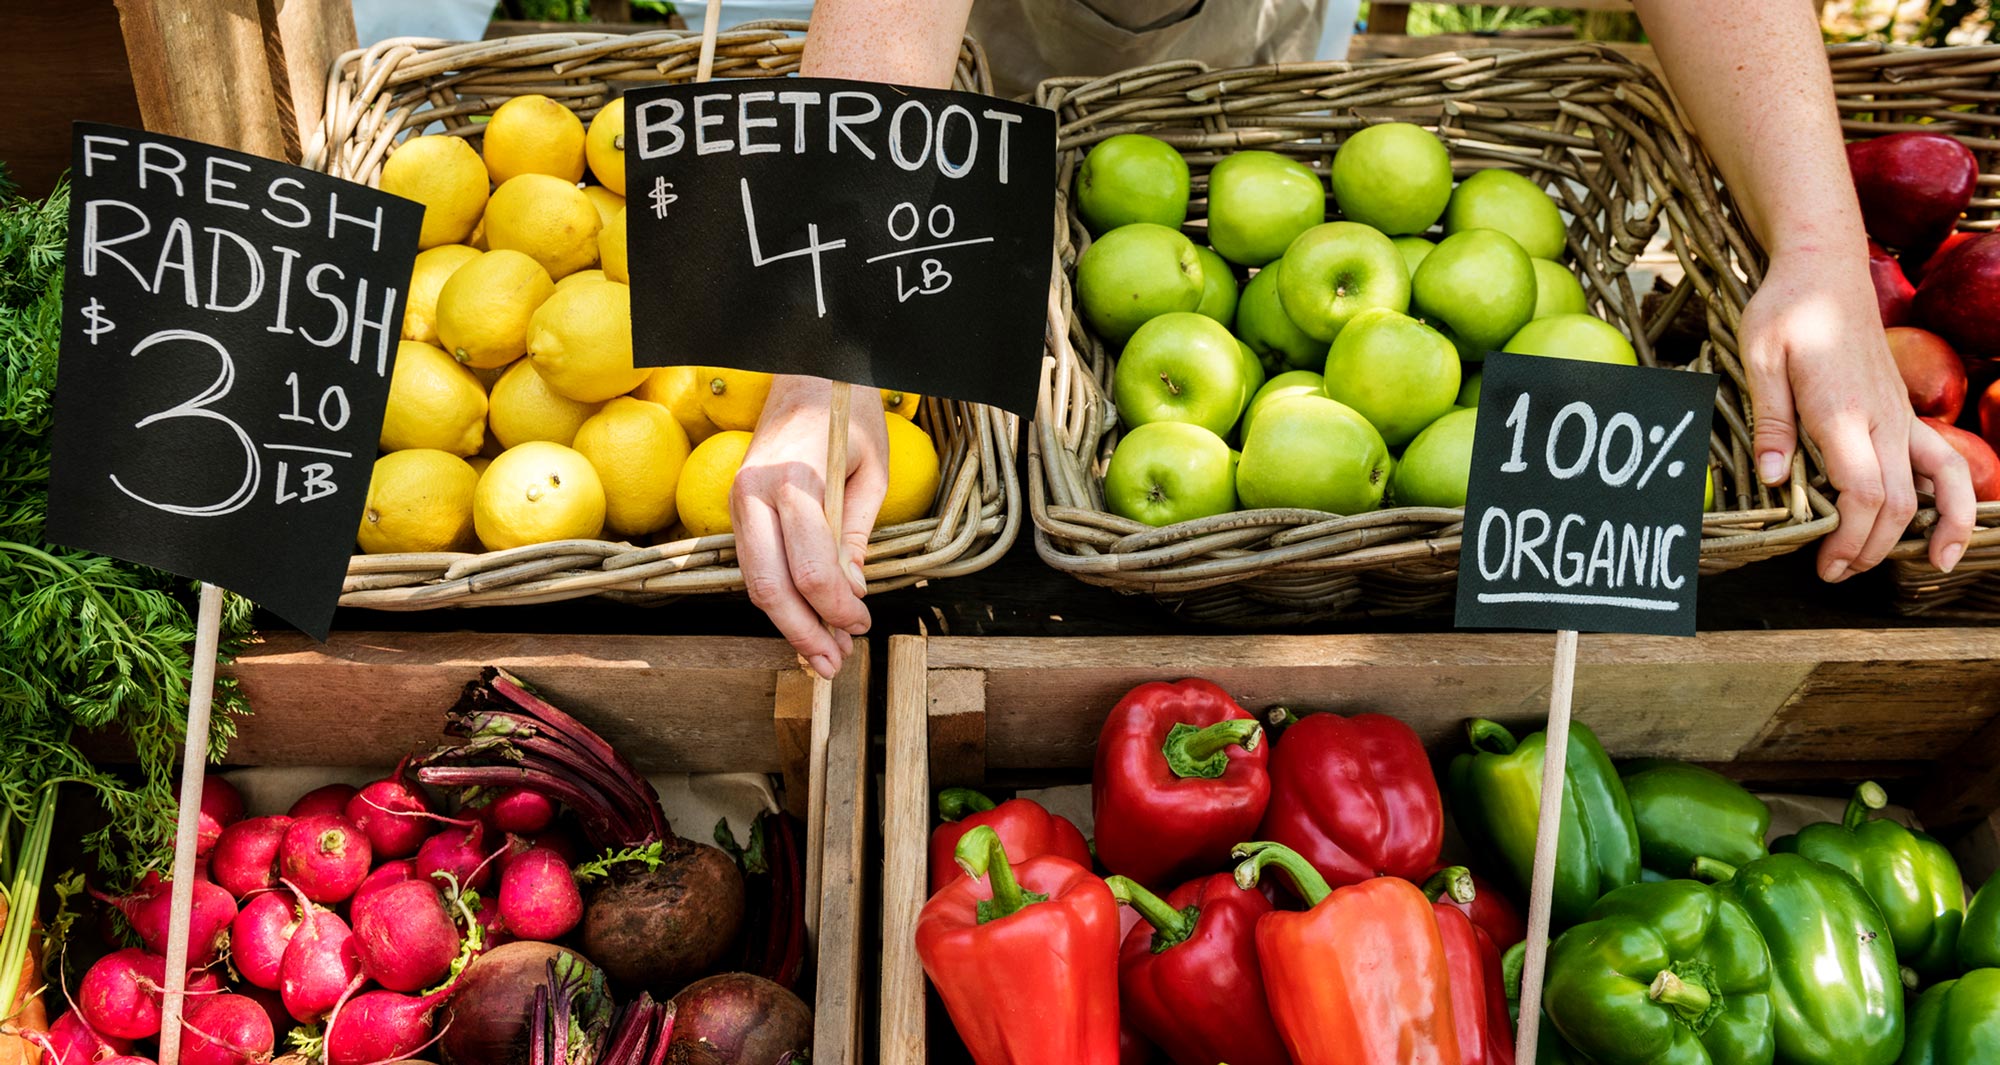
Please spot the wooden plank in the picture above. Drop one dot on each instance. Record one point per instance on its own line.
(1883, 709)
(64, 62)
(199, 71)
(957, 708)
(1389, 19)
(1966, 787)
(837, 1005)
(793, 722)
(302, 38)
(905, 829)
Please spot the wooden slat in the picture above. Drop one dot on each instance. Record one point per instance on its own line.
(793, 720)
(1966, 787)
(1886, 708)
(905, 830)
(64, 62)
(199, 70)
(302, 38)
(957, 707)
(837, 1005)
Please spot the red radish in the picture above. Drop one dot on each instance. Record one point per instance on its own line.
(538, 896)
(460, 852)
(513, 848)
(226, 1030)
(262, 930)
(381, 1026)
(386, 874)
(208, 921)
(326, 856)
(320, 963)
(404, 936)
(520, 810)
(561, 842)
(331, 799)
(391, 812)
(492, 929)
(245, 857)
(273, 1005)
(221, 806)
(128, 1059)
(202, 982)
(72, 1041)
(120, 995)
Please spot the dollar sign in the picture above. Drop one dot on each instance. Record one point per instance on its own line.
(94, 312)
(661, 197)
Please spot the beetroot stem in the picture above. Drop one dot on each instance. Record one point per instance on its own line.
(602, 823)
(515, 692)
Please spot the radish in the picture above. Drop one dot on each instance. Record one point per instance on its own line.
(208, 921)
(120, 995)
(391, 813)
(381, 1026)
(221, 806)
(319, 802)
(386, 874)
(273, 1005)
(72, 1041)
(538, 896)
(404, 936)
(326, 856)
(319, 964)
(128, 1059)
(226, 1030)
(520, 810)
(260, 933)
(492, 928)
(245, 857)
(201, 982)
(459, 852)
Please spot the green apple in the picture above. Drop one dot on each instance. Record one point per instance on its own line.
(1574, 336)
(1181, 367)
(1312, 453)
(1258, 202)
(1132, 178)
(1398, 372)
(1478, 287)
(1468, 393)
(1253, 376)
(1169, 472)
(1335, 271)
(1394, 176)
(1510, 203)
(1437, 465)
(1263, 324)
(1414, 250)
(1218, 287)
(1135, 273)
(1557, 291)
(1289, 383)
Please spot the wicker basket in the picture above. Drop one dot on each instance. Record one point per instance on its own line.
(1592, 127)
(1882, 89)
(402, 86)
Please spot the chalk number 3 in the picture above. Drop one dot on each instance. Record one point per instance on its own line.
(198, 407)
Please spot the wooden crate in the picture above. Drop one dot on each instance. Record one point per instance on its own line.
(1918, 709)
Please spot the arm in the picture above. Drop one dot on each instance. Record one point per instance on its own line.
(1754, 80)
(782, 539)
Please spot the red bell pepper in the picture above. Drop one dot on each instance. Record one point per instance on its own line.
(1358, 979)
(1489, 908)
(1478, 992)
(1355, 796)
(1026, 828)
(1028, 966)
(1180, 779)
(1188, 977)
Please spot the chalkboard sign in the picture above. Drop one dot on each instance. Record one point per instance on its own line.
(875, 234)
(1584, 509)
(229, 327)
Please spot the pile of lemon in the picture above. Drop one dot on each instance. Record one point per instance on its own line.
(515, 413)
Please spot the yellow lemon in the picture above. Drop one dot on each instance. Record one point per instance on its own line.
(679, 389)
(445, 175)
(484, 307)
(733, 399)
(604, 146)
(548, 218)
(419, 500)
(536, 493)
(433, 403)
(581, 341)
(702, 497)
(523, 408)
(913, 474)
(903, 403)
(534, 135)
(579, 278)
(611, 249)
(433, 268)
(607, 202)
(478, 237)
(637, 449)
(478, 463)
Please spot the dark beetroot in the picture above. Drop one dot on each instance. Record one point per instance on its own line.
(393, 813)
(120, 995)
(226, 1030)
(326, 856)
(404, 936)
(520, 810)
(259, 935)
(221, 806)
(641, 927)
(738, 1019)
(487, 1017)
(245, 857)
(321, 801)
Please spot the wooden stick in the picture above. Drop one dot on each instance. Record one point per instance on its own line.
(1548, 832)
(711, 25)
(194, 764)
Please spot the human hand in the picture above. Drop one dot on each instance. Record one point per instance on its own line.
(1814, 351)
(783, 542)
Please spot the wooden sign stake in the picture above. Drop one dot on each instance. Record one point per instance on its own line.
(1548, 833)
(194, 765)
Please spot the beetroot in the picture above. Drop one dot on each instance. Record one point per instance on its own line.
(120, 995)
(326, 856)
(738, 1019)
(404, 936)
(319, 802)
(72, 1041)
(381, 1026)
(457, 851)
(208, 921)
(221, 806)
(520, 810)
(319, 964)
(392, 813)
(487, 1020)
(644, 926)
(245, 857)
(538, 896)
(387, 873)
(260, 933)
(226, 1030)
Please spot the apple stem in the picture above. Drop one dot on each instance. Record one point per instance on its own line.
(1171, 387)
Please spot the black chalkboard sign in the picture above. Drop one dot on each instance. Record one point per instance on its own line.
(1584, 509)
(229, 327)
(875, 234)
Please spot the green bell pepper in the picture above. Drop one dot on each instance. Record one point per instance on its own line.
(1666, 972)
(1496, 794)
(1911, 877)
(1836, 991)
(1550, 1048)
(1979, 939)
(1685, 812)
(1957, 1022)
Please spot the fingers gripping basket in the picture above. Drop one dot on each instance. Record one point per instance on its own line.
(1591, 127)
(398, 88)
(1882, 89)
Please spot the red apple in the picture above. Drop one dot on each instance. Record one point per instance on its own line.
(1913, 186)
(1978, 454)
(1934, 373)
(1951, 243)
(1892, 289)
(1961, 300)
(1989, 414)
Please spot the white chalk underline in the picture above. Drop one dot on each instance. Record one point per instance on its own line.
(931, 247)
(1629, 602)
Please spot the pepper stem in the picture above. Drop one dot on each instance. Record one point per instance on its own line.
(1713, 870)
(1868, 797)
(956, 804)
(1306, 880)
(1281, 717)
(1171, 927)
(1689, 1000)
(1454, 883)
(1489, 736)
(1203, 752)
(980, 853)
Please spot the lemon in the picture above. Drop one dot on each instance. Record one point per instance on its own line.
(913, 474)
(484, 307)
(524, 408)
(579, 278)
(581, 341)
(702, 497)
(903, 403)
(433, 403)
(548, 218)
(445, 175)
(433, 267)
(534, 135)
(733, 399)
(536, 493)
(611, 249)
(637, 449)
(604, 146)
(419, 500)
(607, 202)
(478, 237)
(478, 463)
(678, 388)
